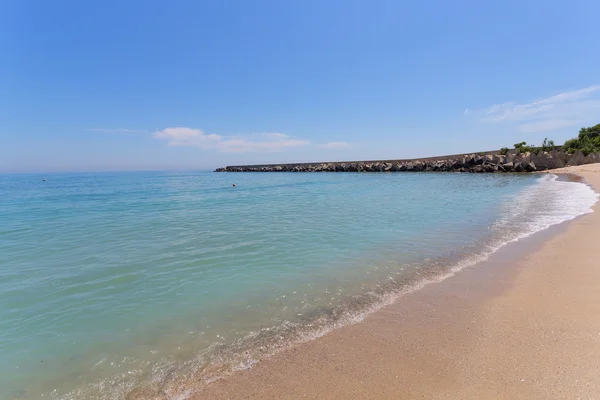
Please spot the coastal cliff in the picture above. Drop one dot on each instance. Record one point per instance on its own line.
(489, 162)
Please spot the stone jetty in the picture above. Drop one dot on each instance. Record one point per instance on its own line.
(488, 162)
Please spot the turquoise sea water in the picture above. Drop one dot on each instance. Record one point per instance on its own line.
(157, 282)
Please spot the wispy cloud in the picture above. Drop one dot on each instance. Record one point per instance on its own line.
(267, 142)
(559, 111)
(335, 145)
(275, 135)
(545, 125)
(115, 130)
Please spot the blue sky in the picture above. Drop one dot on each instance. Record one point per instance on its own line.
(126, 85)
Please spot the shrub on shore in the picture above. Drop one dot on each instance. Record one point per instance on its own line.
(588, 141)
(547, 145)
(523, 148)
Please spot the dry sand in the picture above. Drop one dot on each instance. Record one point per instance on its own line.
(525, 325)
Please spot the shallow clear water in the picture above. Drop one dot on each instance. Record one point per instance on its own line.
(147, 281)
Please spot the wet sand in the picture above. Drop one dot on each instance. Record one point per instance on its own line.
(523, 325)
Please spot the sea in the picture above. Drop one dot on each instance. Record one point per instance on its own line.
(152, 284)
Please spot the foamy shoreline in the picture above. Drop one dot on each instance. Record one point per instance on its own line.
(528, 330)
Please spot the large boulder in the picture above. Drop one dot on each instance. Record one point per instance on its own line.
(452, 165)
(541, 160)
(590, 159)
(524, 158)
(519, 167)
(576, 158)
(555, 162)
(561, 155)
(470, 160)
(491, 159)
(432, 165)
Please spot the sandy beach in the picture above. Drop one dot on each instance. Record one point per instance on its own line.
(523, 325)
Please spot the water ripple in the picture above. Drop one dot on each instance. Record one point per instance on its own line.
(117, 281)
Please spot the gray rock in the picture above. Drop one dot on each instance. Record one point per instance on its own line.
(519, 167)
(577, 158)
(511, 162)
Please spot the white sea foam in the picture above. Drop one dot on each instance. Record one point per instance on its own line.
(549, 202)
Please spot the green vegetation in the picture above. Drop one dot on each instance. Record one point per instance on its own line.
(523, 148)
(547, 145)
(588, 141)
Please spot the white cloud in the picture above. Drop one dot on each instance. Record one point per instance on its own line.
(335, 145)
(545, 125)
(466, 112)
(566, 109)
(269, 142)
(574, 95)
(276, 135)
(116, 130)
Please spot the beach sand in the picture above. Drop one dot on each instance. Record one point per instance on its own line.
(523, 325)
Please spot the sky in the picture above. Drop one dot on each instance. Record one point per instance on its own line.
(145, 85)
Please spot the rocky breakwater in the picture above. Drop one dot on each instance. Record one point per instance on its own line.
(474, 163)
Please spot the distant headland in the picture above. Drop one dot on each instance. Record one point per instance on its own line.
(585, 149)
